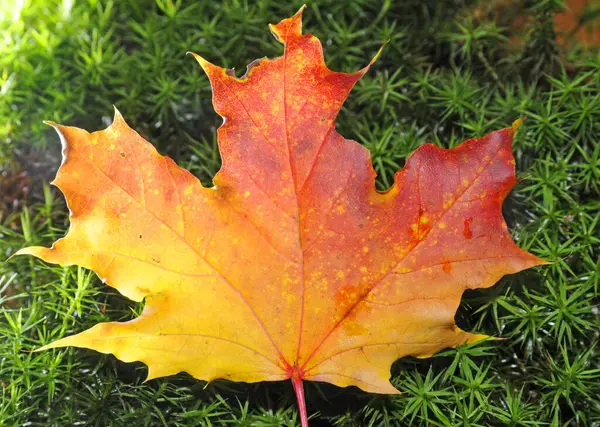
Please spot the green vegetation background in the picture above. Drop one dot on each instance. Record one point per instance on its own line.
(452, 70)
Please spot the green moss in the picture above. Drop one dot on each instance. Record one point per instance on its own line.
(451, 71)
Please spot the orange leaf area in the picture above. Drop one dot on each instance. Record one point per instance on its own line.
(292, 266)
(571, 23)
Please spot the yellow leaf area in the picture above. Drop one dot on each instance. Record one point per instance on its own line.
(292, 265)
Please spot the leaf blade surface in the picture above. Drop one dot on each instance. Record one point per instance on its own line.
(293, 265)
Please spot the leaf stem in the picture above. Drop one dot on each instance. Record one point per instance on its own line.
(299, 389)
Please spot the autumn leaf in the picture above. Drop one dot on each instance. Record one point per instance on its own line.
(293, 266)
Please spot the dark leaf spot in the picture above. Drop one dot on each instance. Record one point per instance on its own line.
(447, 267)
(467, 228)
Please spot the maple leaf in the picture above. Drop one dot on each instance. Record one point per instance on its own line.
(293, 266)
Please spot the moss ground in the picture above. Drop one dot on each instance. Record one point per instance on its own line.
(452, 70)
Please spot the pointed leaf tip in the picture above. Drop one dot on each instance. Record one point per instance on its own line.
(299, 12)
(198, 58)
(207, 66)
(289, 27)
(366, 68)
(517, 123)
(378, 53)
(59, 130)
(117, 117)
(18, 253)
